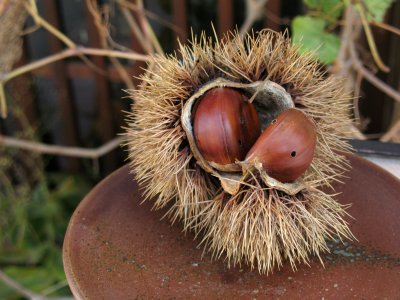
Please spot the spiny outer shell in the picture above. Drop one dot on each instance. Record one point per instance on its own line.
(259, 225)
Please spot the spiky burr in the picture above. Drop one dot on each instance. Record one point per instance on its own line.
(248, 216)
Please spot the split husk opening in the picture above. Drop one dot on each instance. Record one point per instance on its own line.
(269, 99)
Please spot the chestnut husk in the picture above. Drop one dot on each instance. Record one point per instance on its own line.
(264, 222)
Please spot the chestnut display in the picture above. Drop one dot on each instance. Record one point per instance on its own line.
(286, 146)
(225, 125)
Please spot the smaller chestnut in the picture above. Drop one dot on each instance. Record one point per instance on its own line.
(225, 125)
(286, 147)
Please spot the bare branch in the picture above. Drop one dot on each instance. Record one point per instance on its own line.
(391, 133)
(73, 50)
(370, 39)
(136, 8)
(356, 98)
(40, 22)
(17, 287)
(70, 53)
(103, 33)
(135, 29)
(276, 19)
(357, 65)
(343, 66)
(148, 30)
(387, 27)
(254, 10)
(340, 67)
(3, 102)
(356, 133)
(51, 289)
(31, 8)
(61, 150)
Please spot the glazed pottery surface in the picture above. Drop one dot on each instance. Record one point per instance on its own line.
(117, 248)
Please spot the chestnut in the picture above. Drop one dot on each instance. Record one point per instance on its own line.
(225, 125)
(286, 147)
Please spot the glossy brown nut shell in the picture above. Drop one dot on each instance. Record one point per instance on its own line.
(286, 146)
(226, 125)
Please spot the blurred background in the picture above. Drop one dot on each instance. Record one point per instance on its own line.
(64, 69)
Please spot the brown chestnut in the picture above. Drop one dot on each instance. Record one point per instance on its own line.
(225, 125)
(286, 147)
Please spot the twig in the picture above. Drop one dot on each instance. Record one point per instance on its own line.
(276, 19)
(54, 288)
(3, 102)
(348, 53)
(17, 287)
(141, 21)
(357, 65)
(391, 133)
(103, 33)
(136, 8)
(73, 52)
(61, 150)
(340, 67)
(387, 27)
(370, 39)
(39, 21)
(150, 35)
(356, 133)
(374, 135)
(356, 98)
(59, 56)
(254, 9)
(343, 65)
(134, 27)
(30, 29)
(124, 6)
(25, 292)
(32, 9)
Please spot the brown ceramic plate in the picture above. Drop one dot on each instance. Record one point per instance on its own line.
(116, 248)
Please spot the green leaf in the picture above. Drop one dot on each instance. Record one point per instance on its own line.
(309, 33)
(332, 8)
(377, 9)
